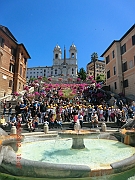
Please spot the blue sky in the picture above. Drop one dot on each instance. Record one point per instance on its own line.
(90, 24)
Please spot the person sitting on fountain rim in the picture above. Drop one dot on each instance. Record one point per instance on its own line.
(94, 119)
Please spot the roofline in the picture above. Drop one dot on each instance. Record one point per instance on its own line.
(11, 37)
(14, 39)
(109, 47)
(39, 67)
(24, 49)
(119, 40)
(127, 32)
(103, 61)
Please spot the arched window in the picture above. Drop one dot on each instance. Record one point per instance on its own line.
(56, 56)
(72, 55)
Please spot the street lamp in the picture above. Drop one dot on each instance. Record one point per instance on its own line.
(94, 58)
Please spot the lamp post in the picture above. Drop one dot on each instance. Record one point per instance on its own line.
(94, 58)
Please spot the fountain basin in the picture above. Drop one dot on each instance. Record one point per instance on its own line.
(33, 167)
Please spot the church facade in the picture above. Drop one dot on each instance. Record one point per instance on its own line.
(62, 67)
(65, 66)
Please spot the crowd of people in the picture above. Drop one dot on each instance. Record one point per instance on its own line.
(54, 110)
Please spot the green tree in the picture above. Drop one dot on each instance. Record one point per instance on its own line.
(45, 79)
(100, 78)
(82, 74)
(32, 79)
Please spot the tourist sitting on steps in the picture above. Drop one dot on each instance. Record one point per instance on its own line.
(3, 121)
(58, 121)
(36, 121)
(94, 119)
(30, 124)
(12, 121)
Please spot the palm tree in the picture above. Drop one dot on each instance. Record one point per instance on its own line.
(94, 58)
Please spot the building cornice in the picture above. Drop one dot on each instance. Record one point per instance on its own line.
(118, 40)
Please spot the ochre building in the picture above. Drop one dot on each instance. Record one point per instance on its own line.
(99, 68)
(120, 64)
(13, 63)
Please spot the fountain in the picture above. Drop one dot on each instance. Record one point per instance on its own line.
(69, 157)
(79, 136)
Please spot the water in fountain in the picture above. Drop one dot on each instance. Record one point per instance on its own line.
(94, 155)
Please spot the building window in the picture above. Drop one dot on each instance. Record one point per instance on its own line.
(115, 85)
(133, 40)
(130, 64)
(114, 70)
(125, 84)
(2, 42)
(124, 67)
(72, 71)
(108, 74)
(123, 49)
(25, 61)
(56, 56)
(44, 70)
(107, 59)
(113, 54)
(13, 51)
(10, 83)
(134, 60)
(72, 55)
(11, 68)
(55, 71)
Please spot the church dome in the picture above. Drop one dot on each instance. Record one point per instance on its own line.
(57, 48)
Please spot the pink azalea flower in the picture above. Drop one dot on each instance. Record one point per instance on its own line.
(40, 77)
(37, 93)
(36, 81)
(49, 79)
(26, 88)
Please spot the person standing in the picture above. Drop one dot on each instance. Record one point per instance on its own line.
(89, 113)
(4, 108)
(94, 120)
(9, 111)
(80, 117)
